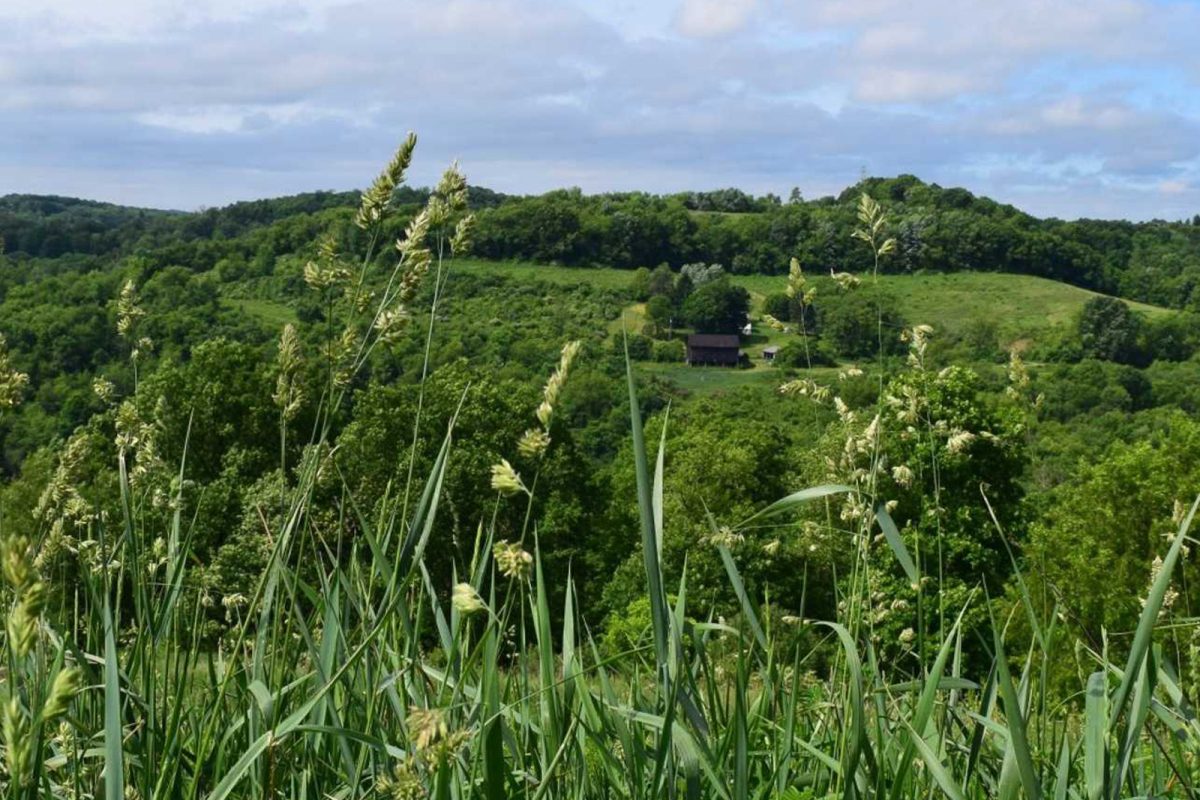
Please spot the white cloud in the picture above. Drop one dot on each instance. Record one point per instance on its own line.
(707, 18)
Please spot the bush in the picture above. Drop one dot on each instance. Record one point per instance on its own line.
(639, 347)
(794, 355)
(670, 351)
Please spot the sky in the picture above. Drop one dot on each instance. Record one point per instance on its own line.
(1063, 108)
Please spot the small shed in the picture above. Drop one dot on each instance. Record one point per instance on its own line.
(769, 353)
(713, 349)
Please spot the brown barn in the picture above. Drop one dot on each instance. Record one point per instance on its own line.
(713, 349)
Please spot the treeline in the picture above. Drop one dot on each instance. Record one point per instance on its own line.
(46, 226)
(936, 229)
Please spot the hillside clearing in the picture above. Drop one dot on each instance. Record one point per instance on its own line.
(1023, 307)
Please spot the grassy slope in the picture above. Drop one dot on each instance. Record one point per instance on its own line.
(1022, 305)
(270, 312)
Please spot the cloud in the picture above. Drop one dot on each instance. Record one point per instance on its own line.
(165, 102)
(706, 18)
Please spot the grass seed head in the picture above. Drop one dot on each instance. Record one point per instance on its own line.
(512, 560)
(505, 479)
(466, 600)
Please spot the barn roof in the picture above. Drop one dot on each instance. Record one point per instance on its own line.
(721, 340)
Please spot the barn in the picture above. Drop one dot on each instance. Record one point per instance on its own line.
(713, 349)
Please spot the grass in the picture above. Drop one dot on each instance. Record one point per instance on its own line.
(269, 312)
(354, 671)
(704, 380)
(600, 277)
(1021, 306)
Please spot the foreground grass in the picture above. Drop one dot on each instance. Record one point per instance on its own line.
(356, 677)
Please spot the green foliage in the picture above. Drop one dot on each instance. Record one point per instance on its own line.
(671, 351)
(1105, 526)
(659, 315)
(856, 322)
(1109, 330)
(717, 307)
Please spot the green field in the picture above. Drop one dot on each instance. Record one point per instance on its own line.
(601, 277)
(1023, 307)
(268, 311)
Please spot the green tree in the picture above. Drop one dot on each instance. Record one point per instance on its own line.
(717, 307)
(1108, 330)
(850, 322)
(661, 281)
(639, 286)
(658, 315)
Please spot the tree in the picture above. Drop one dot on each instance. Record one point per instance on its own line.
(1108, 330)
(717, 307)
(658, 315)
(791, 310)
(700, 273)
(851, 322)
(662, 281)
(639, 287)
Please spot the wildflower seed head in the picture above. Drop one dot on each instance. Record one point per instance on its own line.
(902, 475)
(22, 624)
(725, 537)
(460, 243)
(557, 380)
(104, 389)
(402, 784)
(534, 443)
(872, 226)
(452, 188)
(426, 726)
(505, 479)
(466, 600)
(128, 310)
(288, 395)
(12, 382)
(796, 281)
(544, 413)
(66, 685)
(959, 442)
(375, 200)
(415, 234)
(845, 280)
(18, 744)
(512, 560)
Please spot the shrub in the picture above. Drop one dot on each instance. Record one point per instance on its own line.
(669, 351)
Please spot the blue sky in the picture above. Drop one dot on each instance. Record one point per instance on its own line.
(1063, 108)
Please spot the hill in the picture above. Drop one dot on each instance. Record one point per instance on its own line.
(936, 229)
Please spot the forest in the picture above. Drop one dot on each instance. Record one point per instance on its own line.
(411, 492)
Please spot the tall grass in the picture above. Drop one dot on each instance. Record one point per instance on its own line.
(351, 672)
